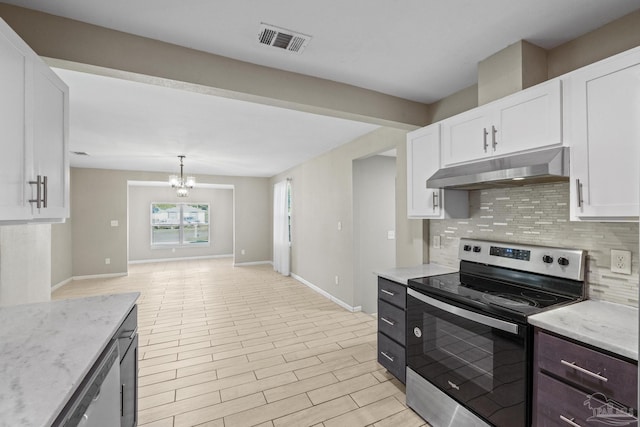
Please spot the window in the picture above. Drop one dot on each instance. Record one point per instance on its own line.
(179, 224)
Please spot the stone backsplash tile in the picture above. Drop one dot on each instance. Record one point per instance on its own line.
(539, 215)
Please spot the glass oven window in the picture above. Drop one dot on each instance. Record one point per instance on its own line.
(482, 367)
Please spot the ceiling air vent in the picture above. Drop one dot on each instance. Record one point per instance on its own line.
(288, 40)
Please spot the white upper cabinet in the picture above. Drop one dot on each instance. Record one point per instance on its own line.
(527, 120)
(423, 160)
(603, 126)
(34, 168)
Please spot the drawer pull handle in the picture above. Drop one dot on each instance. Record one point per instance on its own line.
(387, 321)
(569, 421)
(128, 334)
(384, 291)
(387, 356)
(583, 370)
(457, 387)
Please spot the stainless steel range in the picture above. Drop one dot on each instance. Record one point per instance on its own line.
(469, 347)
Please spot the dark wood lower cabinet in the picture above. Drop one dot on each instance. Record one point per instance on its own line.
(575, 385)
(392, 303)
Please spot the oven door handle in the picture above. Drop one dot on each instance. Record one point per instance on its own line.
(467, 314)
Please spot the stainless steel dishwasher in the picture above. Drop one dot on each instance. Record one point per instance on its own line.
(96, 403)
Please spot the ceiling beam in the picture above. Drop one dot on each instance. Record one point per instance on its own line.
(85, 47)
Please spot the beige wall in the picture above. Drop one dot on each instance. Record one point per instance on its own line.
(220, 220)
(99, 196)
(322, 196)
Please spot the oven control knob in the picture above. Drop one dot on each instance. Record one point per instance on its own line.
(476, 249)
(563, 261)
(547, 259)
(467, 248)
(417, 332)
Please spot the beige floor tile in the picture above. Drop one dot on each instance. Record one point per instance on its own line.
(150, 370)
(218, 384)
(367, 415)
(268, 412)
(251, 346)
(223, 409)
(231, 393)
(312, 371)
(299, 387)
(178, 407)
(342, 388)
(377, 392)
(318, 413)
(156, 399)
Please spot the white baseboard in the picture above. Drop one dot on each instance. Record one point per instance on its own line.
(61, 284)
(149, 261)
(326, 294)
(241, 264)
(99, 276)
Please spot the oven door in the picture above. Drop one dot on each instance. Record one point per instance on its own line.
(477, 359)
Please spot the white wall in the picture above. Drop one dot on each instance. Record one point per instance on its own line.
(220, 220)
(25, 263)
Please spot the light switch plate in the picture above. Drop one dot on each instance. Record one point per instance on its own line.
(391, 234)
(114, 222)
(436, 242)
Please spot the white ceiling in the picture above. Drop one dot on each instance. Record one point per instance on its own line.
(421, 50)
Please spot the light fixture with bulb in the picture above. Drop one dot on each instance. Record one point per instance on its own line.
(180, 183)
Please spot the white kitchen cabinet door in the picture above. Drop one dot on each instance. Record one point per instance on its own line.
(527, 120)
(13, 70)
(423, 160)
(50, 148)
(604, 130)
(465, 137)
(33, 119)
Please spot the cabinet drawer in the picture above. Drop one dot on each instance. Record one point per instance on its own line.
(564, 359)
(391, 321)
(391, 355)
(554, 399)
(392, 292)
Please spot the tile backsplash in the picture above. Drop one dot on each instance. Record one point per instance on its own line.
(539, 214)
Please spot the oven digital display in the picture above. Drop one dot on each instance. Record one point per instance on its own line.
(520, 254)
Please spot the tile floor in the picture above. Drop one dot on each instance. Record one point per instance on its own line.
(244, 346)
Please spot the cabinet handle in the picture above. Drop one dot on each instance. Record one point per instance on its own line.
(457, 387)
(494, 142)
(45, 188)
(569, 421)
(38, 199)
(387, 321)
(584, 371)
(434, 196)
(384, 291)
(485, 134)
(579, 192)
(387, 356)
(122, 400)
(129, 334)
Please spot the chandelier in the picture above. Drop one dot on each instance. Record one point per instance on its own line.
(180, 183)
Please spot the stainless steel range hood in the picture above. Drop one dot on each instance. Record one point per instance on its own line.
(541, 166)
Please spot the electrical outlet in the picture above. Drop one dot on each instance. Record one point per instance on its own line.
(436, 242)
(620, 261)
(337, 281)
(107, 261)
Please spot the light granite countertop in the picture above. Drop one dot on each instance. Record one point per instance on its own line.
(403, 274)
(46, 349)
(612, 327)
